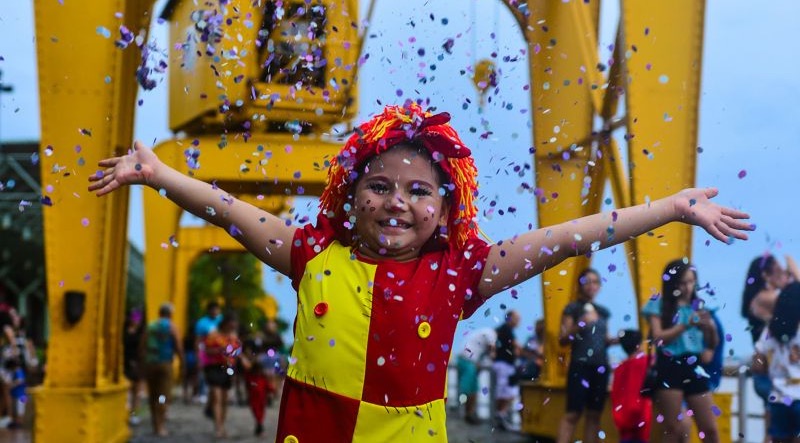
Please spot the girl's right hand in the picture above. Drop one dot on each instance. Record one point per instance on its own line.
(137, 167)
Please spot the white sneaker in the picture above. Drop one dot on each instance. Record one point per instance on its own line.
(4, 421)
(134, 420)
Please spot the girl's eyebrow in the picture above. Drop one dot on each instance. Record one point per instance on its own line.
(417, 182)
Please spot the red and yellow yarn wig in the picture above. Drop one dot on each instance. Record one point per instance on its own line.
(408, 124)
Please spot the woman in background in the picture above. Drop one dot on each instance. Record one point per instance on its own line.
(682, 330)
(765, 279)
(132, 335)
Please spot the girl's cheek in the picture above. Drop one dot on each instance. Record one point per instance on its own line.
(363, 208)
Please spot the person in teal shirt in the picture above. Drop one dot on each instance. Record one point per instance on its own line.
(682, 329)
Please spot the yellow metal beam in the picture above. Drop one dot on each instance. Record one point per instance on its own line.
(663, 49)
(562, 118)
(231, 78)
(86, 94)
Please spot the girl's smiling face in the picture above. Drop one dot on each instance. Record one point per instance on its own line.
(398, 204)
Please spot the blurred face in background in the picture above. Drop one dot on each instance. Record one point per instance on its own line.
(589, 286)
(775, 276)
(687, 286)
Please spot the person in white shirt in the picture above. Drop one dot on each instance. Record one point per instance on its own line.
(479, 345)
(779, 346)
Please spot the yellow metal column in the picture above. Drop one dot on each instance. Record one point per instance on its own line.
(663, 43)
(161, 218)
(562, 121)
(87, 97)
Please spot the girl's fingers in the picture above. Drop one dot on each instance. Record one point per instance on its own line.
(734, 213)
(732, 232)
(99, 183)
(716, 233)
(711, 192)
(741, 225)
(99, 175)
(108, 162)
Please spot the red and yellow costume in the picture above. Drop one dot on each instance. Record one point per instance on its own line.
(373, 338)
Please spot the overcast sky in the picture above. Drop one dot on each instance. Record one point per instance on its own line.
(750, 107)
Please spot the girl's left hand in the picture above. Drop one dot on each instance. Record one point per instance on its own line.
(694, 206)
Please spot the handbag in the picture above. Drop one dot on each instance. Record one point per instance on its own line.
(650, 382)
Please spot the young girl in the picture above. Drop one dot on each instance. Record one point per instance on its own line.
(764, 281)
(682, 330)
(391, 265)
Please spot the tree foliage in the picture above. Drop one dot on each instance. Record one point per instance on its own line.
(233, 279)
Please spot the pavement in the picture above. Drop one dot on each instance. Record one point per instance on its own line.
(187, 423)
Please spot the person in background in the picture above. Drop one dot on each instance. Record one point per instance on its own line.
(479, 346)
(161, 346)
(189, 370)
(763, 283)
(682, 330)
(25, 348)
(204, 326)
(15, 374)
(505, 358)
(258, 385)
(779, 348)
(632, 411)
(712, 360)
(132, 332)
(532, 354)
(273, 355)
(221, 348)
(584, 328)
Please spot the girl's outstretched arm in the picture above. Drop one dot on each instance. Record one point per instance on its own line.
(263, 234)
(515, 260)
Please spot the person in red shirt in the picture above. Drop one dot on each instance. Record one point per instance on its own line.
(221, 347)
(632, 411)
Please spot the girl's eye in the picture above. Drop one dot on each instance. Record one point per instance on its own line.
(421, 192)
(378, 188)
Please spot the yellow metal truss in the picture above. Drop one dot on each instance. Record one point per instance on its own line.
(656, 67)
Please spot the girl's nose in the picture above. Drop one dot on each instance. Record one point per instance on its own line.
(396, 201)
